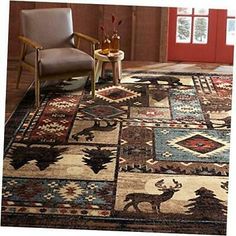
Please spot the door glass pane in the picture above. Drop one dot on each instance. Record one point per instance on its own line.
(183, 28)
(231, 13)
(201, 11)
(200, 30)
(184, 11)
(230, 34)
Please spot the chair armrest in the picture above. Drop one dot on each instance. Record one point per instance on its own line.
(86, 37)
(30, 42)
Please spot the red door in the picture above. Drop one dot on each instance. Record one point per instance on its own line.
(200, 35)
(225, 37)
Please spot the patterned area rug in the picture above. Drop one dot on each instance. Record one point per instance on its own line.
(150, 154)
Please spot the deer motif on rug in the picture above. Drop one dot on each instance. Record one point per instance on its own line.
(154, 199)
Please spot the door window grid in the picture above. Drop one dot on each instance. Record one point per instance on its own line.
(201, 11)
(200, 30)
(230, 27)
(192, 25)
(184, 29)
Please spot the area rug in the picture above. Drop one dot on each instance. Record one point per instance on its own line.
(151, 154)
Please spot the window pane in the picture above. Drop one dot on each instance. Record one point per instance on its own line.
(201, 11)
(183, 29)
(231, 13)
(200, 30)
(230, 34)
(184, 11)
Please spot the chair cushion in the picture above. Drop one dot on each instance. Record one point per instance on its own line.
(51, 28)
(61, 60)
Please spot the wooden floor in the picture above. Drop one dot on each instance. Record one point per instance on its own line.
(14, 96)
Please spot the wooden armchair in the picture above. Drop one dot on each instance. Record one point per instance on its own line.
(50, 48)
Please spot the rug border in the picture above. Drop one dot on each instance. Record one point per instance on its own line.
(78, 222)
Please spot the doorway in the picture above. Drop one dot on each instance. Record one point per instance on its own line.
(201, 35)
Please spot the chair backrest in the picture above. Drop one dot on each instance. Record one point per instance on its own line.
(52, 27)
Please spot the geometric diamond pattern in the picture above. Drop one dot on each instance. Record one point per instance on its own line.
(70, 191)
(116, 94)
(201, 144)
(192, 145)
(102, 111)
(52, 127)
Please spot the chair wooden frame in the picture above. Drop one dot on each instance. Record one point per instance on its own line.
(35, 69)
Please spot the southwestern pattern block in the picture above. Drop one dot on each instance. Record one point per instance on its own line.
(65, 162)
(160, 197)
(192, 145)
(116, 94)
(37, 195)
(204, 84)
(52, 124)
(103, 111)
(159, 96)
(223, 85)
(185, 104)
(136, 146)
(149, 113)
(93, 131)
(215, 93)
(142, 165)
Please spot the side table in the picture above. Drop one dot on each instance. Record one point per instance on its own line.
(114, 58)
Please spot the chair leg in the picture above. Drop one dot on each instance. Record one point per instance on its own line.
(36, 81)
(18, 76)
(37, 93)
(93, 84)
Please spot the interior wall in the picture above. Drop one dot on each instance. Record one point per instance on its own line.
(140, 29)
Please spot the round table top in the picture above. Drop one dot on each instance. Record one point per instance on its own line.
(118, 56)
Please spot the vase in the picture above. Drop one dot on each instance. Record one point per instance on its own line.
(106, 45)
(115, 42)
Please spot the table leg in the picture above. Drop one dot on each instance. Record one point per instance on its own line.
(103, 69)
(98, 70)
(115, 74)
(119, 71)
